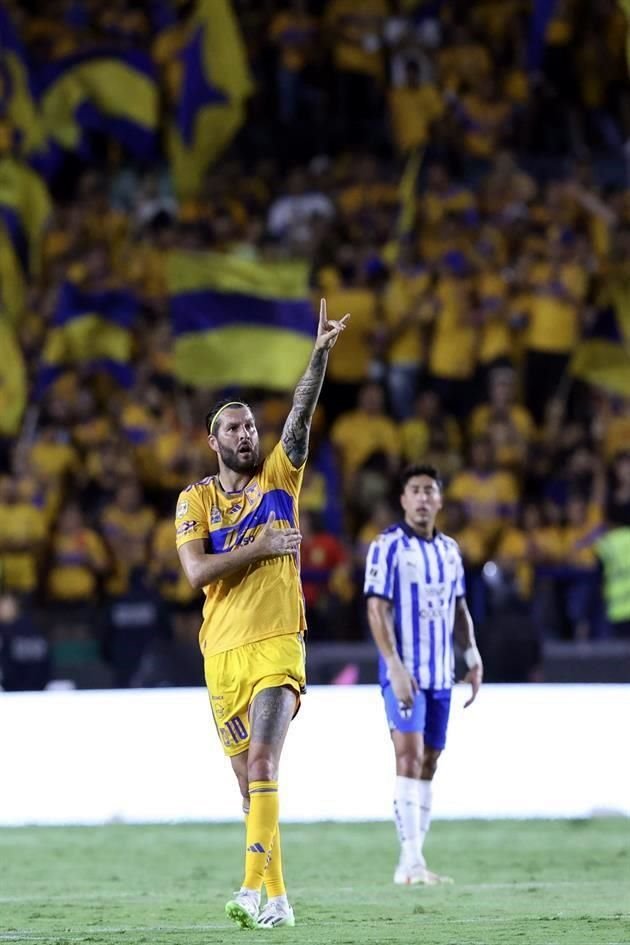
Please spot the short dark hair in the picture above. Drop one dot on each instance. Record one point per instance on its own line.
(218, 407)
(419, 469)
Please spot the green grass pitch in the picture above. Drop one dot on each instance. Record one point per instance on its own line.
(517, 882)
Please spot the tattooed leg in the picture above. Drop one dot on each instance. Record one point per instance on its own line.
(270, 715)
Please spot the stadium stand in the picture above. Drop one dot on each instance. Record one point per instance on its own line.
(454, 175)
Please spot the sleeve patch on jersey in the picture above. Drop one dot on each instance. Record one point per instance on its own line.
(186, 527)
(182, 508)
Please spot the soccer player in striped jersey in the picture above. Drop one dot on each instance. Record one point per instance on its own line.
(416, 605)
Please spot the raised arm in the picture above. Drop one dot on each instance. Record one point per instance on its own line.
(298, 424)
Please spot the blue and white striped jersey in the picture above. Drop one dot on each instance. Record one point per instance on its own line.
(423, 579)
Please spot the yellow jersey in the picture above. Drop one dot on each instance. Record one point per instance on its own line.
(263, 599)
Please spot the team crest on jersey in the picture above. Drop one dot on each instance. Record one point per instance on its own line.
(182, 508)
(252, 493)
(215, 515)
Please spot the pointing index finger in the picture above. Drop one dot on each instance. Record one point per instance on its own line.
(323, 317)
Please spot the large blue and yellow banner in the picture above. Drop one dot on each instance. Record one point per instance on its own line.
(90, 329)
(112, 92)
(18, 100)
(602, 357)
(13, 385)
(25, 207)
(238, 322)
(216, 83)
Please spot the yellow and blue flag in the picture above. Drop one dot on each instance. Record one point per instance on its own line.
(216, 83)
(25, 207)
(238, 321)
(18, 99)
(90, 330)
(13, 384)
(112, 92)
(602, 357)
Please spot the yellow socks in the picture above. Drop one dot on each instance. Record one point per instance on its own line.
(262, 824)
(274, 880)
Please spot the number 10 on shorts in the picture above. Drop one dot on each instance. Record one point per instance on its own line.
(233, 731)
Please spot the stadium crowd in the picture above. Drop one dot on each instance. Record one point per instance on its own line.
(459, 353)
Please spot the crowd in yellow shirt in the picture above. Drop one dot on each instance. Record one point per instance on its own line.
(462, 328)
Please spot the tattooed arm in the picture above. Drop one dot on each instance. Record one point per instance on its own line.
(298, 423)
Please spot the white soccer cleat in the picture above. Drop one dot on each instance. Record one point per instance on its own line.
(417, 874)
(275, 915)
(243, 908)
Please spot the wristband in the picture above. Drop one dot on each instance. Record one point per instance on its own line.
(472, 657)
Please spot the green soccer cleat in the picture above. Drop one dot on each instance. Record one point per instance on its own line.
(243, 909)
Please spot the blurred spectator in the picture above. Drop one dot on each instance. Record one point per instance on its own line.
(78, 561)
(489, 495)
(426, 419)
(126, 525)
(24, 650)
(359, 66)
(414, 106)
(614, 551)
(295, 34)
(22, 535)
(364, 432)
(350, 360)
(133, 619)
(326, 580)
(408, 311)
(618, 507)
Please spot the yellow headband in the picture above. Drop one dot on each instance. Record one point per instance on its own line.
(232, 403)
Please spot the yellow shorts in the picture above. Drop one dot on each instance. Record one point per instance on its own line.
(233, 679)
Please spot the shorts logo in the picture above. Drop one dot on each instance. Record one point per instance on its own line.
(187, 527)
(218, 707)
(182, 508)
(252, 493)
(215, 516)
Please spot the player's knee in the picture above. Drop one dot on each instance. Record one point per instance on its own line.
(408, 764)
(262, 767)
(429, 764)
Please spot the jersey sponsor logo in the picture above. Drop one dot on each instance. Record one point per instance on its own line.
(215, 515)
(182, 508)
(187, 527)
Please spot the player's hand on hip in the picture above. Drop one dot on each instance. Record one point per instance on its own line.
(403, 684)
(328, 331)
(474, 676)
(274, 542)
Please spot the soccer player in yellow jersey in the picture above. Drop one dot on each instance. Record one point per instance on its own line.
(238, 539)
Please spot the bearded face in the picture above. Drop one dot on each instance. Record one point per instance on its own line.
(236, 440)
